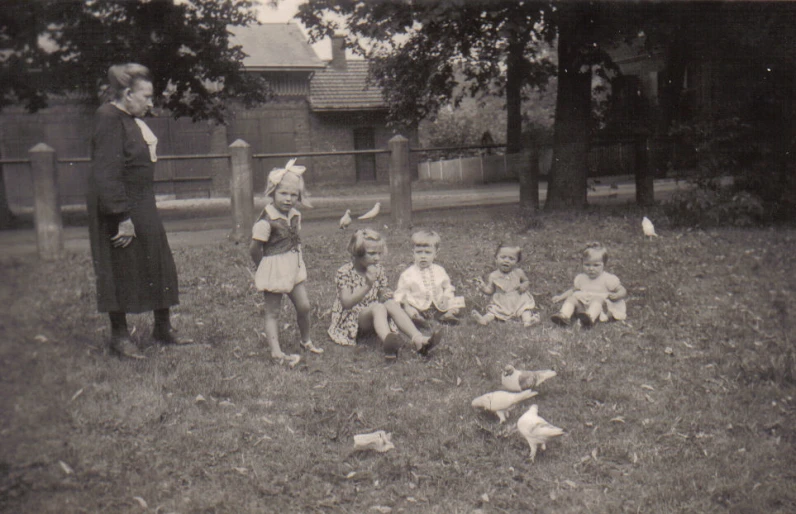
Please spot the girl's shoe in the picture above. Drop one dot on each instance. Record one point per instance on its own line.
(391, 345)
(560, 320)
(449, 318)
(312, 348)
(430, 343)
(291, 361)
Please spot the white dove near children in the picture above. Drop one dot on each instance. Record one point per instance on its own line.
(518, 380)
(536, 430)
(499, 402)
(648, 228)
(345, 220)
(371, 213)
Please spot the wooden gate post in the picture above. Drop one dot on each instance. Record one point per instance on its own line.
(400, 182)
(46, 202)
(645, 181)
(241, 190)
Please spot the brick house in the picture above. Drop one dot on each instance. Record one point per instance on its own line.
(317, 107)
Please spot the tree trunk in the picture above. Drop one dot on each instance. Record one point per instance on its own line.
(528, 177)
(514, 80)
(6, 216)
(567, 188)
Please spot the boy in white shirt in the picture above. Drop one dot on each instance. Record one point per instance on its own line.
(424, 289)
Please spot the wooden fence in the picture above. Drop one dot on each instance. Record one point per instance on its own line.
(43, 166)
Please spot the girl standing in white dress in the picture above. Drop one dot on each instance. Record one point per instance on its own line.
(276, 250)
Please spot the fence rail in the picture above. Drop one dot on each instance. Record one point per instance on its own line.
(43, 165)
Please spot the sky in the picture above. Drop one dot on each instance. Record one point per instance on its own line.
(284, 12)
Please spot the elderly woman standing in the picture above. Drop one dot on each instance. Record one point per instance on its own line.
(132, 260)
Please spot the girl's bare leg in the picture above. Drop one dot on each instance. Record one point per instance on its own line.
(273, 304)
(301, 301)
(374, 318)
(594, 310)
(405, 323)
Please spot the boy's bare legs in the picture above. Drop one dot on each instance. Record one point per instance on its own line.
(592, 313)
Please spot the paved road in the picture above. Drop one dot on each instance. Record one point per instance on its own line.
(205, 221)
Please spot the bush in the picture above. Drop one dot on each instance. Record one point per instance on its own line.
(711, 206)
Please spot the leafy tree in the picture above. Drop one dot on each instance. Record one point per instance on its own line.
(64, 46)
(57, 47)
(418, 50)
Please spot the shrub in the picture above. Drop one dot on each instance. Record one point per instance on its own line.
(711, 206)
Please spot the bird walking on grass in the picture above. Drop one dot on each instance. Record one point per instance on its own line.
(372, 213)
(500, 402)
(648, 228)
(536, 430)
(519, 380)
(345, 220)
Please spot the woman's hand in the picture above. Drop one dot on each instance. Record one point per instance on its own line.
(125, 235)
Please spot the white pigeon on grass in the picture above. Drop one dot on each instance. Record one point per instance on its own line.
(518, 380)
(499, 402)
(648, 228)
(372, 213)
(345, 220)
(536, 430)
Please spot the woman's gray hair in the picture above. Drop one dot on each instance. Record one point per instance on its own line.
(122, 76)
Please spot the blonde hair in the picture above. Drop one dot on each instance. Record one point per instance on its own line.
(595, 251)
(122, 76)
(276, 175)
(356, 246)
(425, 237)
(500, 246)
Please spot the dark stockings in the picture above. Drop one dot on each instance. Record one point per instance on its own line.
(118, 324)
(162, 321)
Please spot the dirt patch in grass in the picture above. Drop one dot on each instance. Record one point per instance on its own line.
(686, 407)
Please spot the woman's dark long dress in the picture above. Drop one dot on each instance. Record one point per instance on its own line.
(141, 277)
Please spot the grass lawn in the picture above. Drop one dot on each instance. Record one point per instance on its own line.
(687, 407)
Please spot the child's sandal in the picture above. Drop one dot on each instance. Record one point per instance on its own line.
(312, 348)
(291, 361)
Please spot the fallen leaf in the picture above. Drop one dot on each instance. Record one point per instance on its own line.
(242, 471)
(66, 467)
(646, 386)
(458, 381)
(77, 394)
(381, 508)
(141, 502)
(618, 419)
(41, 338)
(571, 484)
(485, 498)
(226, 403)
(199, 399)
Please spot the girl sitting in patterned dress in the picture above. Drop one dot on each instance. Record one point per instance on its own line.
(276, 250)
(364, 300)
(509, 288)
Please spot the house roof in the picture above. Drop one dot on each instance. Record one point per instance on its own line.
(275, 47)
(335, 89)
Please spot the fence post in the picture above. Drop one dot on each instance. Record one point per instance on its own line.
(46, 202)
(241, 190)
(645, 181)
(400, 182)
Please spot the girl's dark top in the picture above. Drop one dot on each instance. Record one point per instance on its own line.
(284, 236)
(142, 276)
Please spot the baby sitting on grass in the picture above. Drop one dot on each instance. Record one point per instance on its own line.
(596, 294)
(509, 288)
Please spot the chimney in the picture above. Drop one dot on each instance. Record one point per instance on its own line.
(338, 52)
